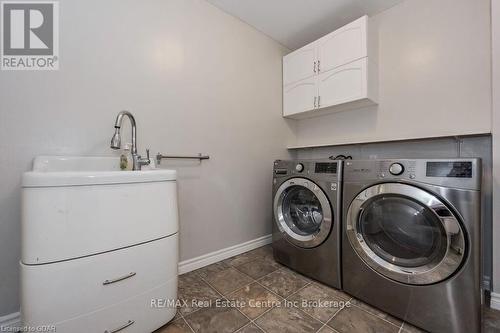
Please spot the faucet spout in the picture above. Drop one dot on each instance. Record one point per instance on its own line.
(116, 140)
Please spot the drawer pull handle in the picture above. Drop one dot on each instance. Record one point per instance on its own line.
(128, 276)
(129, 323)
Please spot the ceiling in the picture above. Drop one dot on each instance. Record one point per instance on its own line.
(295, 23)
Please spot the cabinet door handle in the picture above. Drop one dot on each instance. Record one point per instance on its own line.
(315, 101)
(129, 323)
(314, 69)
(128, 276)
(319, 100)
(318, 66)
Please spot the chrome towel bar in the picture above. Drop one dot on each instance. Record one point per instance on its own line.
(199, 157)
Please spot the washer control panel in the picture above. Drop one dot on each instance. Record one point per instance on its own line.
(325, 167)
(308, 168)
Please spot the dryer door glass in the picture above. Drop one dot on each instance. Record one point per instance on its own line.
(402, 231)
(406, 233)
(302, 212)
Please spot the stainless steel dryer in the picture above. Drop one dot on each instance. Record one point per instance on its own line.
(306, 228)
(411, 245)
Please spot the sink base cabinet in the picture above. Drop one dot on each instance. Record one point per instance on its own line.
(99, 246)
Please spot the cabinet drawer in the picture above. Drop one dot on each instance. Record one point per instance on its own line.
(344, 45)
(135, 315)
(59, 291)
(62, 223)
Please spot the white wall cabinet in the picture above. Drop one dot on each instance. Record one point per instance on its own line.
(335, 73)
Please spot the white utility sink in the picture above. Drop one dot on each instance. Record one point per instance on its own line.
(82, 170)
(86, 205)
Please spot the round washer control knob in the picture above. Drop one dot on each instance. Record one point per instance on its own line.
(396, 169)
(299, 167)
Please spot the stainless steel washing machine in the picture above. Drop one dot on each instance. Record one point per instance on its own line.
(411, 240)
(307, 218)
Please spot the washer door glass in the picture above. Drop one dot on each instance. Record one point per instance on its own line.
(302, 212)
(406, 233)
(402, 231)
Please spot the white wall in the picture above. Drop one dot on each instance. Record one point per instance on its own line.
(434, 77)
(495, 14)
(197, 80)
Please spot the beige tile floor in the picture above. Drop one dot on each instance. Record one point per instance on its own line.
(252, 293)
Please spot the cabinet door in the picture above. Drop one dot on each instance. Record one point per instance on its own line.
(343, 84)
(299, 97)
(299, 64)
(343, 45)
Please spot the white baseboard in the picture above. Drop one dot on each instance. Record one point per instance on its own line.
(495, 301)
(216, 256)
(10, 321)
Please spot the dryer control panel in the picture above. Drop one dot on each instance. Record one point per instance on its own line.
(461, 172)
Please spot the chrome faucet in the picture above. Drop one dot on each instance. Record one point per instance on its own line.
(138, 162)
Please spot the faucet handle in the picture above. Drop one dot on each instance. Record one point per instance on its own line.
(143, 161)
